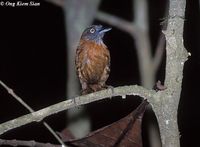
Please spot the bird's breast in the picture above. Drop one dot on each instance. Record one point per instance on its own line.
(94, 59)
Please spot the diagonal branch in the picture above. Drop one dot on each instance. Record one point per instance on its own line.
(11, 92)
(117, 22)
(80, 100)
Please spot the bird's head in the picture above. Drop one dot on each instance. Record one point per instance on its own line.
(95, 33)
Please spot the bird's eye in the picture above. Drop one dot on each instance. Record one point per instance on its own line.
(92, 30)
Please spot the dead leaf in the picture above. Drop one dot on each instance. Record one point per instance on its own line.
(123, 133)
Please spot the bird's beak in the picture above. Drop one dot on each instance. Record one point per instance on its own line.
(103, 30)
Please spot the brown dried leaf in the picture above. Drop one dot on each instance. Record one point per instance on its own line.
(66, 135)
(123, 133)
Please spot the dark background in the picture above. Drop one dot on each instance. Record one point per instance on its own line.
(33, 63)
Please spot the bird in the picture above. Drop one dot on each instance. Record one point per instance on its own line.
(92, 59)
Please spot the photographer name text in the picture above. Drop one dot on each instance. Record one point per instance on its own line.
(19, 4)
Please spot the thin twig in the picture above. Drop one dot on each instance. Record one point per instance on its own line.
(11, 92)
(38, 116)
(30, 143)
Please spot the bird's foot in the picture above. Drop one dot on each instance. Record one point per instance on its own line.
(86, 91)
(111, 88)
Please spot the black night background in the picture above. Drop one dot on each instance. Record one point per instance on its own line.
(33, 59)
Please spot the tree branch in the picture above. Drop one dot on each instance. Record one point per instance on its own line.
(139, 31)
(176, 55)
(142, 42)
(80, 100)
(11, 92)
(30, 143)
(117, 22)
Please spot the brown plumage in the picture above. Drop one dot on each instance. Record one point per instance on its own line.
(92, 59)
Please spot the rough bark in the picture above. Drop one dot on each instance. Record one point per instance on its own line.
(166, 103)
(39, 115)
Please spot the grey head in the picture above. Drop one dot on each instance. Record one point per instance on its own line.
(95, 33)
